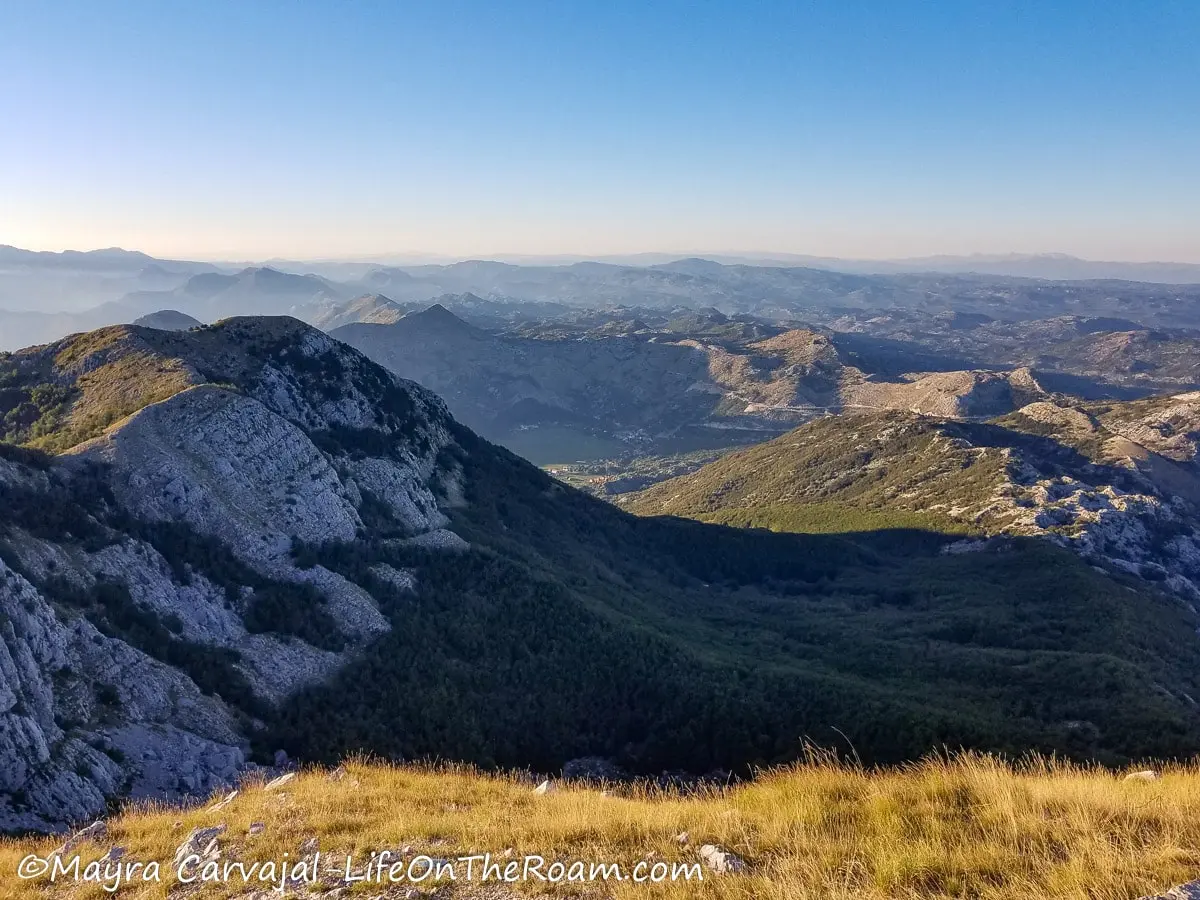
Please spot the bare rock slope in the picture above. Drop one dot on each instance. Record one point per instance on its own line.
(130, 663)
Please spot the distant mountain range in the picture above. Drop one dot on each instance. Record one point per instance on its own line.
(1056, 266)
(205, 296)
(44, 296)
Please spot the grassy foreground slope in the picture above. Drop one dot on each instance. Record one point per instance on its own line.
(967, 827)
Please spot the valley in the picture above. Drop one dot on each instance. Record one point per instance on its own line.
(214, 539)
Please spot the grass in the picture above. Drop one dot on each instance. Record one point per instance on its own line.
(968, 826)
(56, 397)
(893, 467)
(832, 517)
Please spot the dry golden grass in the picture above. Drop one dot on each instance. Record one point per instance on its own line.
(114, 391)
(970, 827)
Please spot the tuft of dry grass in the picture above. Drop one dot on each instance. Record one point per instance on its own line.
(964, 827)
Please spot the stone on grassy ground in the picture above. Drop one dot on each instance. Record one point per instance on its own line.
(223, 802)
(721, 861)
(201, 844)
(94, 832)
(279, 782)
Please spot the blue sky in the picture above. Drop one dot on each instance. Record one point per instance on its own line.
(239, 130)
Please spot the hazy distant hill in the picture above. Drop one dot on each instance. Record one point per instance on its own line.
(559, 395)
(1057, 266)
(258, 291)
(168, 320)
(784, 292)
(370, 308)
(72, 281)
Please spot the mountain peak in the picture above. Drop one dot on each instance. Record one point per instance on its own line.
(168, 320)
(437, 318)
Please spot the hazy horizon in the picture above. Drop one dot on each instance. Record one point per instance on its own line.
(402, 258)
(259, 131)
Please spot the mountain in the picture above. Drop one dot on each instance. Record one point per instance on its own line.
(370, 308)
(254, 290)
(557, 395)
(46, 296)
(544, 397)
(785, 292)
(1050, 266)
(168, 320)
(219, 543)
(1055, 266)
(1101, 355)
(205, 296)
(70, 282)
(1119, 483)
(108, 259)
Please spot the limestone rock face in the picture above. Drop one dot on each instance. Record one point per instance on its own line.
(227, 465)
(58, 761)
(130, 664)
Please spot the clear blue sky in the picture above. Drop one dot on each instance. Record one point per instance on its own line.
(896, 127)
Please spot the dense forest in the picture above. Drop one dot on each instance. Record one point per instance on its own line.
(571, 628)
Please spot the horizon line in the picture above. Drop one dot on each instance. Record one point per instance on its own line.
(504, 256)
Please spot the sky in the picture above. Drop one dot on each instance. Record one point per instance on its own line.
(234, 130)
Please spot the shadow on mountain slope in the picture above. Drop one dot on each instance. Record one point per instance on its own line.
(571, 628)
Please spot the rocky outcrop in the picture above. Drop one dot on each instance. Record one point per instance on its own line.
(84, 717)
(944, 394)
(133, 657)
(226, 465)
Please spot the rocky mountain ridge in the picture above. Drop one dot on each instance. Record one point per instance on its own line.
(109, 556)
(1118, 482)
